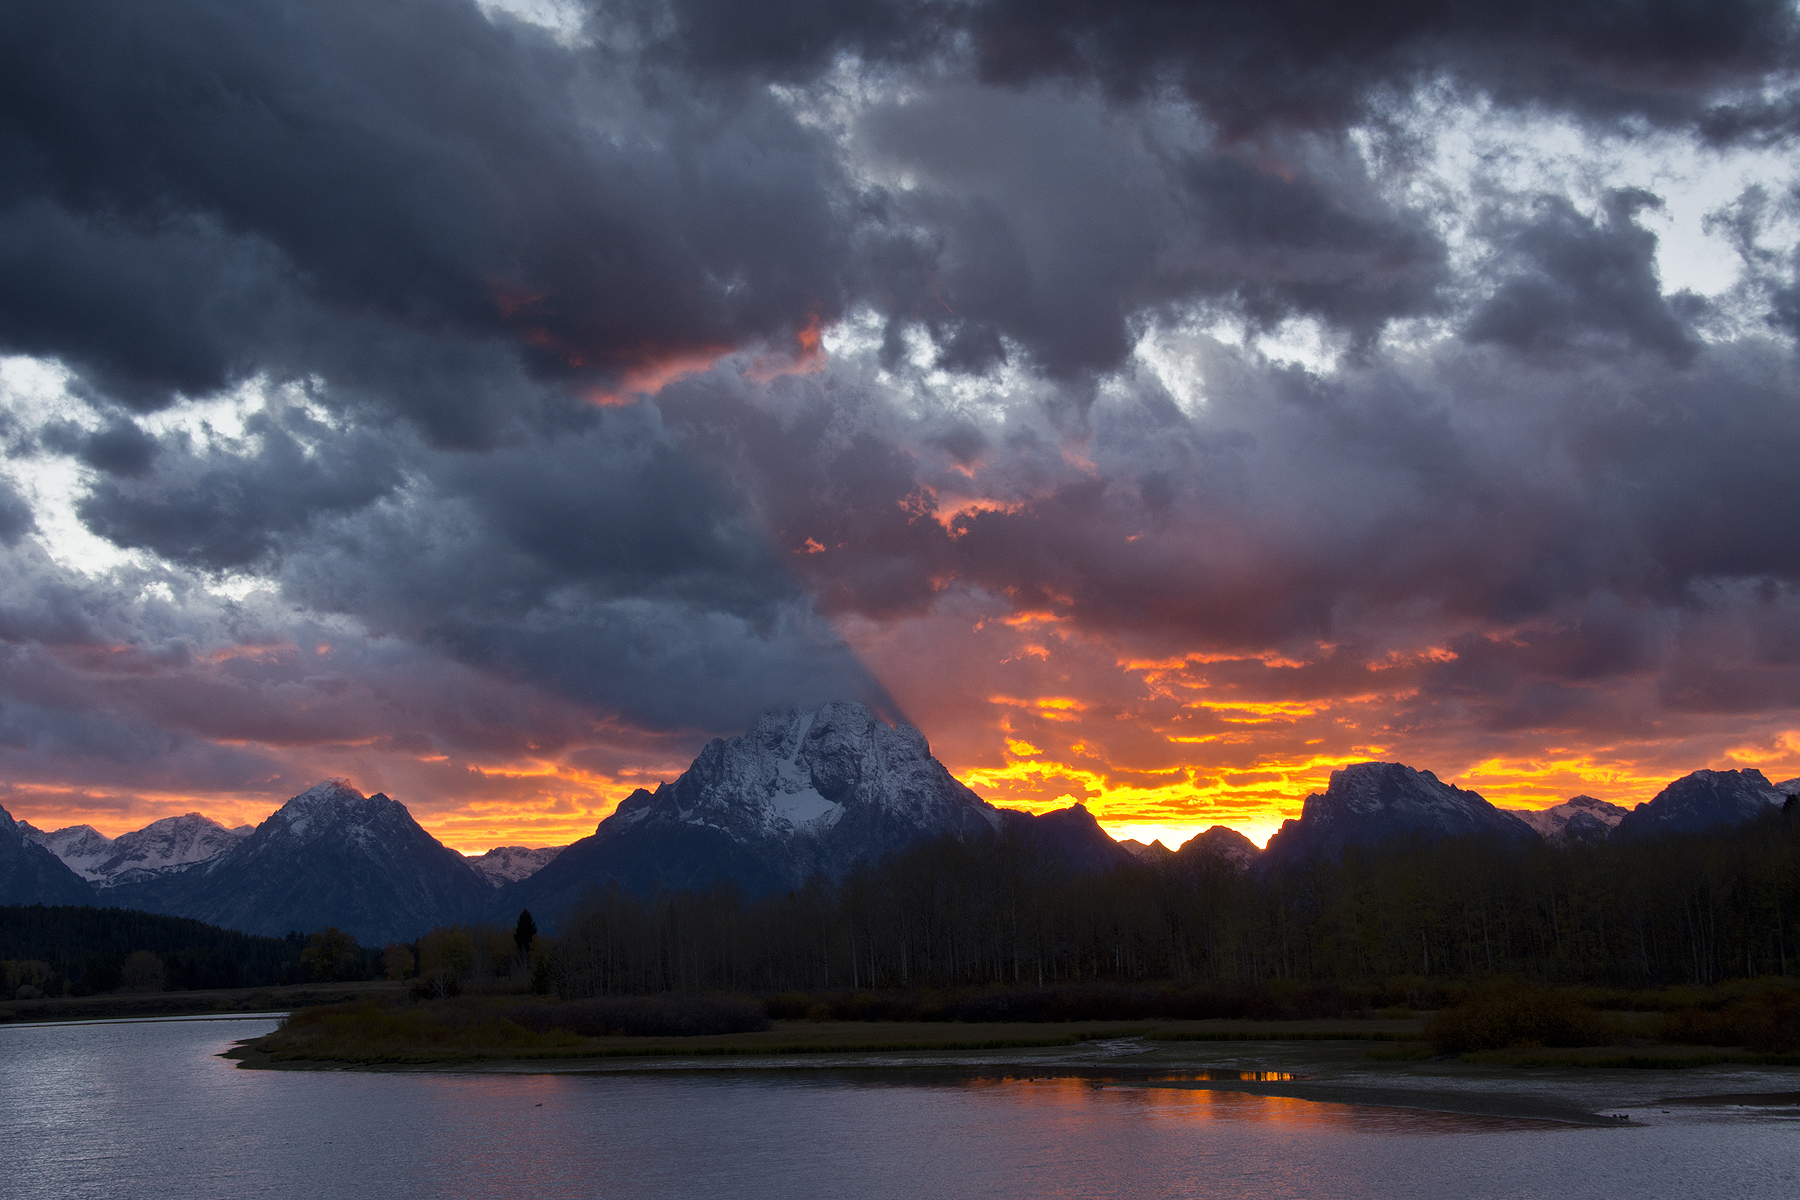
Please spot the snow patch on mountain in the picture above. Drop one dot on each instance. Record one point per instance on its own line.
(169, 845)
(82, 848)
(509, 864)
(1576, 817)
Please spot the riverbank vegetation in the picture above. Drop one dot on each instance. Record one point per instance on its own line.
(1499, 1022)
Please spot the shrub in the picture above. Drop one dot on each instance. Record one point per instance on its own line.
(643, 1016)
(1766, 1022)
(1503, 1016)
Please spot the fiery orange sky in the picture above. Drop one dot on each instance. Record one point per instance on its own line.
(1155, 748)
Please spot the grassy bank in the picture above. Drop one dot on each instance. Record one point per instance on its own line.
(1498, 1023)
(476, 1029)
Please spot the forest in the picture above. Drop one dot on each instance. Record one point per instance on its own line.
(1005, 910)
(82, 951)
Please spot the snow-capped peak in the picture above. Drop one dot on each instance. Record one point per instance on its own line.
(509, 864)
(171, 844)
(812, 789)
(82, 848)
(161, 847)
(320, 806)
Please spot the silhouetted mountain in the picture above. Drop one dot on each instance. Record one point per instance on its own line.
(1071, 836)
(329, 856)
(1368, 803)
(1149, 853)
(1701, 801)
(801, 794)
(1223, 843)
(30, 874)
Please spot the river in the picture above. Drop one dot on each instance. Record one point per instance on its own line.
(148, 1109)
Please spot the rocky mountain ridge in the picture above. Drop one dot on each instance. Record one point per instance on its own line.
(163, 847)
(1371, 802)
(329, 856)
(30, 874)
(82, 848)
(1705, 800)
(1221, 844)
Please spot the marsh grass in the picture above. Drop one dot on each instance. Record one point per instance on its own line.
(1767, 1021)
(374, 1032)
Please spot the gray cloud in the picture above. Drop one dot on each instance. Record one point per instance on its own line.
(15, 515)
(1569, 281)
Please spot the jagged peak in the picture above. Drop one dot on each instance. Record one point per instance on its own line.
(332, 803)
(184, 821)
(330, 792)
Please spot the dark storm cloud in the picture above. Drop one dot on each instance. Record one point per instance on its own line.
(202, 191)
(1049, 221)
(1771, 276)
(1287, 63)
(218, 510)
(1570, 281)
(593, 559)
(119, 449)
(209, 190)
(1304, 64)
(794, 40)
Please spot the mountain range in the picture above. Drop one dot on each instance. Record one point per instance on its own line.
(803, 793)
(160, 848)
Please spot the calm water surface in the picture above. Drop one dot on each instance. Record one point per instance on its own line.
(146, 1109)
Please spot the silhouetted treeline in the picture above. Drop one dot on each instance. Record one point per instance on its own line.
(82, 951)
(948, 914)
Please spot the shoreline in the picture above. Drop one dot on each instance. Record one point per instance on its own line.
(213, 1002)
(1303, 1065)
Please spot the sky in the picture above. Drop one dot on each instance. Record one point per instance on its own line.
(1158, 404)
